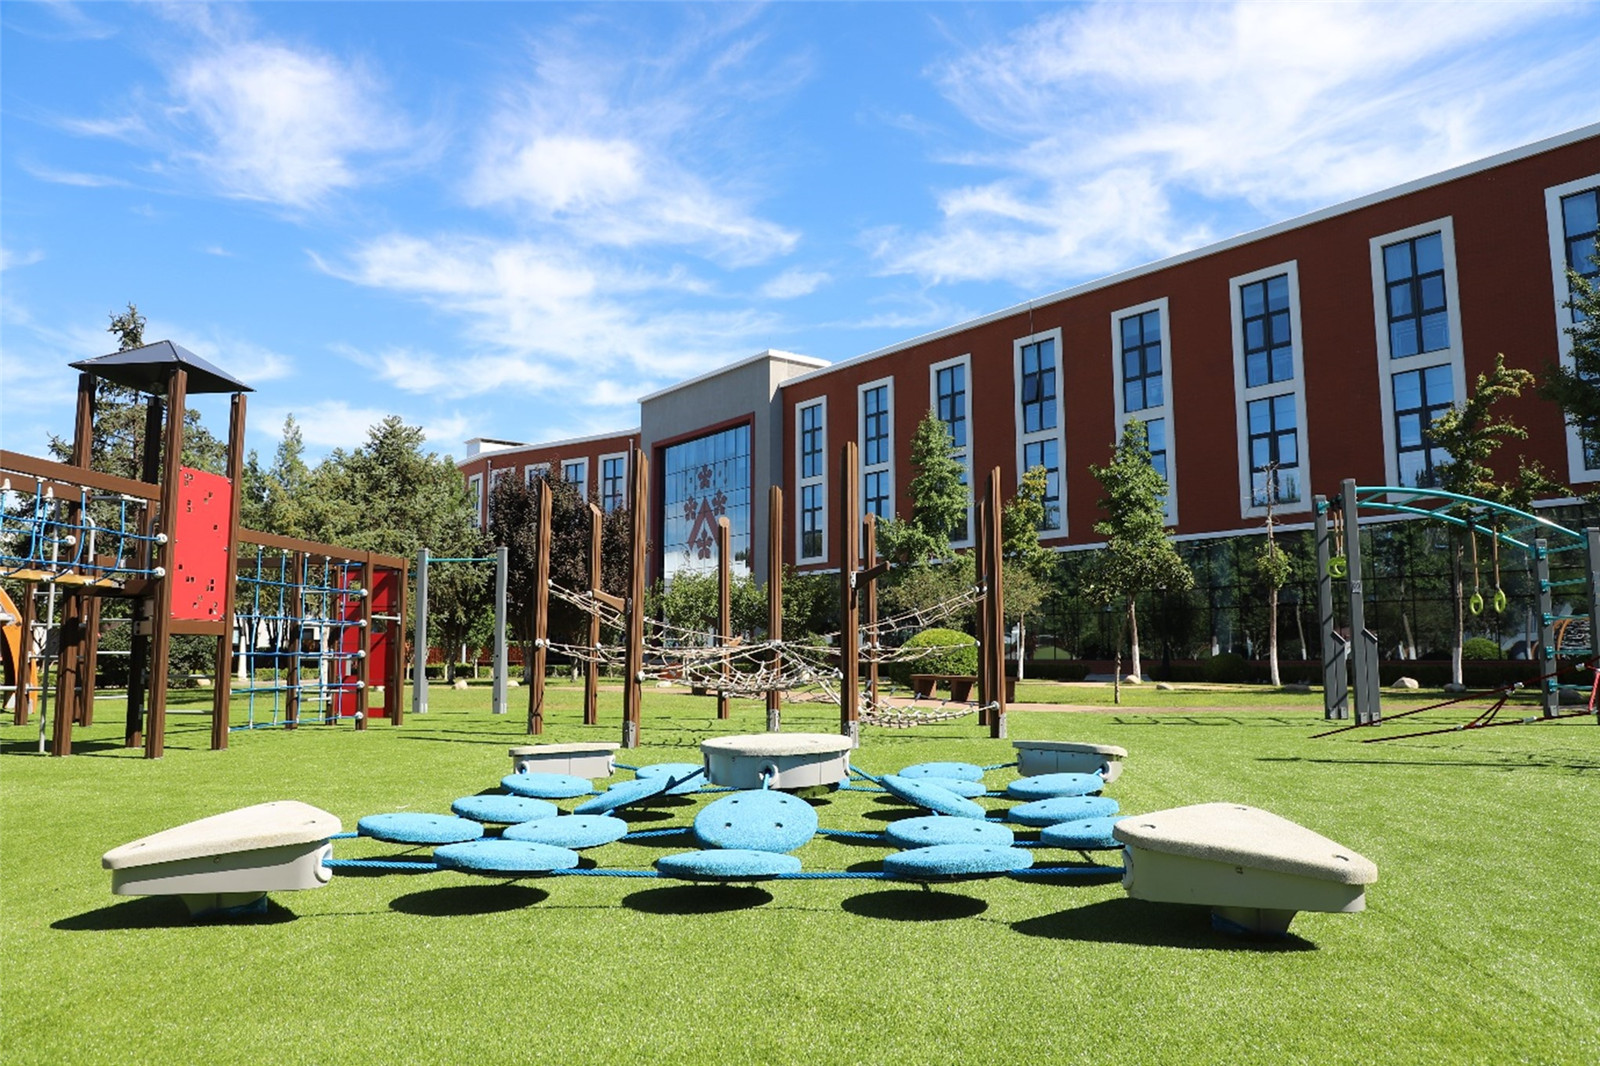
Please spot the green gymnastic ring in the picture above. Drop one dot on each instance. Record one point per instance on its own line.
(1338, 566)
(1499, 601)
(1475, 604)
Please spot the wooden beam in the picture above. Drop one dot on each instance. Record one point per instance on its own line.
(160, 635)
(849, 526)
(632, 686)
(541, 610)
(867, 582)
(591, 669)
(222, 681)
(724, 609)
(775, 600)
(997, 610)
(64, 477)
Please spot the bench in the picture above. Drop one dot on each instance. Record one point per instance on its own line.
(960, 686)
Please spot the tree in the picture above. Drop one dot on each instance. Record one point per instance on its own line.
(1272, 565)
(1138, 555)
(1471, 434)
(1576, 389)
(274, 499)
(1028, 565)
(938, 500)
(690, 601)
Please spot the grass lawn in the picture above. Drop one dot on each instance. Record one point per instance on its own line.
(1481, 942)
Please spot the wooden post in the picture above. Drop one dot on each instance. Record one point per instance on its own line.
(68, 672)
(591, 669)
(91, 660)
(222, 690)
(364, 646)
(775, 601)
(144, 607)
(849, 527)
(541, 610)
(724, 610)
(869, 602)
(161, 620)
(995, 641)
(980, 566)
(632, 685)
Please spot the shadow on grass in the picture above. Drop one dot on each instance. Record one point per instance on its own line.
(1530, 761)
(1131, 921)
(162, 912)
(914, 905)
(458, 900)
(79, 747)
(696, 899)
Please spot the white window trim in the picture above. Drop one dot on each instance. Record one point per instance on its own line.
(963, 453)
(1244, 394)
(887, 465)
(534, 470)
(583, 479)
(1059, 434)
(1558, 281)
(1451, 356)
(475, 487)
(1149, 414)
(801, 482)
(600, 474)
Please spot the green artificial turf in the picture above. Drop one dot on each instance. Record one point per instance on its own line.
(1481, 942)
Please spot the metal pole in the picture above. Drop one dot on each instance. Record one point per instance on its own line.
(1364, 642)
(502, 564)
(1335, 649)
(775, 602)
(1550, 695)
(419, 664)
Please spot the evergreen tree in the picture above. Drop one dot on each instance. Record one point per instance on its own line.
(1576, 389)
(938, 500)
(1273, 567)
(1028, 565)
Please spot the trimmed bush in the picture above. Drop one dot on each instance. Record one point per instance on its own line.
(960, 655)
(1480, 648)
(1227, 668)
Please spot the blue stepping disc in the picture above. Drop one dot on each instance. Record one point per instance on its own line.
(418, 828)
(575, 831)
(959, 771)
(937, 829)
(1061, 809)
(622, 794)
(503, 810)
(756, 821)
(1046, 786)
(507, 857)
(969, 789)
(685, 776)
(956, 862)
(546, 786)
(727, 864)
(935, 798)
(1091, 834)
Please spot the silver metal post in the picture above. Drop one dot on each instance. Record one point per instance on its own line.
(419, 665)
(502, 564)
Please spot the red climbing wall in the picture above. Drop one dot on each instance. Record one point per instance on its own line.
(201, 547)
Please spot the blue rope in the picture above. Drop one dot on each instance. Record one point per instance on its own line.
(849, 834)
(862, 773)
(999, 766)
(344, 836)
(625, 766)
(1063, 871)
(835, 875)
(645, 834)
(420, 866)
(598, 872)
(845, 786)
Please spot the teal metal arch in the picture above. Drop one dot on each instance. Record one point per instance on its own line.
(1557, 537)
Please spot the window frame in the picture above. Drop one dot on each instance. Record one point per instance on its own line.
(1148, 414)
(819, 480)
(1058, 432)
(1388, 366)
(961, 452)
(1577, 470)
(475, 487)
(582, 481)
(622, 491)
(885, 465)
(1245, 393)
(533, 470)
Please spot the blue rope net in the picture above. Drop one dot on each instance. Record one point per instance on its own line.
(85, 536)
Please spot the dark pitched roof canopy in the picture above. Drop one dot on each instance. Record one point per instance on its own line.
(147, 367)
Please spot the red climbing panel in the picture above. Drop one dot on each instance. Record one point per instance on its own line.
(201, 545)
(385, 593)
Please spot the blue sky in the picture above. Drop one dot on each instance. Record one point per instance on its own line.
(512, 220)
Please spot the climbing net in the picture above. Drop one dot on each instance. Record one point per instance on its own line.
(804, 670)
(80, 537)
(299, 619)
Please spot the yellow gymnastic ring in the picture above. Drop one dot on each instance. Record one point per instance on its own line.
(1499, 601)
(1338, 566)
(1475, 604)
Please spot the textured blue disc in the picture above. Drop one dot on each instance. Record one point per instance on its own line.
(1046, 786)
(503, 810)
(623, 793)
(727, 864)
(511, 857)
(546, 786)
(418, 828)
(685, 776)
(937, 829)
(969, 789)
(576, 831)
(955, 862)
(1088, 835)
(1060, 809)
(756, 821)
(935, 798)
(960, 771)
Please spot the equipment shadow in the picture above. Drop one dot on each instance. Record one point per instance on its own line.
(1131, 921)
(691, 899)
(461, 900)
(162, 912)
(914, 905)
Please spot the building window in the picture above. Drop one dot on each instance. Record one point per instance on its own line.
(533, 472)
(1420, 396)
(1141, 340)
(613, 481)
(475, 490)
(952, 406)
(875, 401)
(1573, 213)
(1037, 369)
(1414, 280)
(811, 420)
(576, 471)
(1274, 450)
(1580, 219)
(1141, 362)
(704, 480)
(1268, 337)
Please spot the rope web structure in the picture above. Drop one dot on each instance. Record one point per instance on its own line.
(805, 671)
(87, 537)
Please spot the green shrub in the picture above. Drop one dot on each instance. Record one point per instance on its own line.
(959, 655)
(1480, 648)
(1227, 668)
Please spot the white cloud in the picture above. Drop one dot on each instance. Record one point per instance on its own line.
(1109, 123)
(10, 260)
(793, 283)
(72, 177)
(327, 424)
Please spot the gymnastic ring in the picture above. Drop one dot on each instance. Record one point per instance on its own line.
(1475, 604)
(1338, 566)
(1499, 601)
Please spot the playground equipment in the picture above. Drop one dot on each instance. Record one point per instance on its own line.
(1350, 667)
(777, 760)
(170, 544)
(419, 677)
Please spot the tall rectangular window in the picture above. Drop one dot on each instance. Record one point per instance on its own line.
(1420, 396)
(1268, 335)
(576, 471)
(1141, 345)
(875, 402)
(613, 481)
(533, 472)
(1573, 214)
(811, 436)
(1274, 450)
(952, 405)
(1269, 390)
(1414, 282)
(1040, 419)
(475, 490)
(703, 480)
